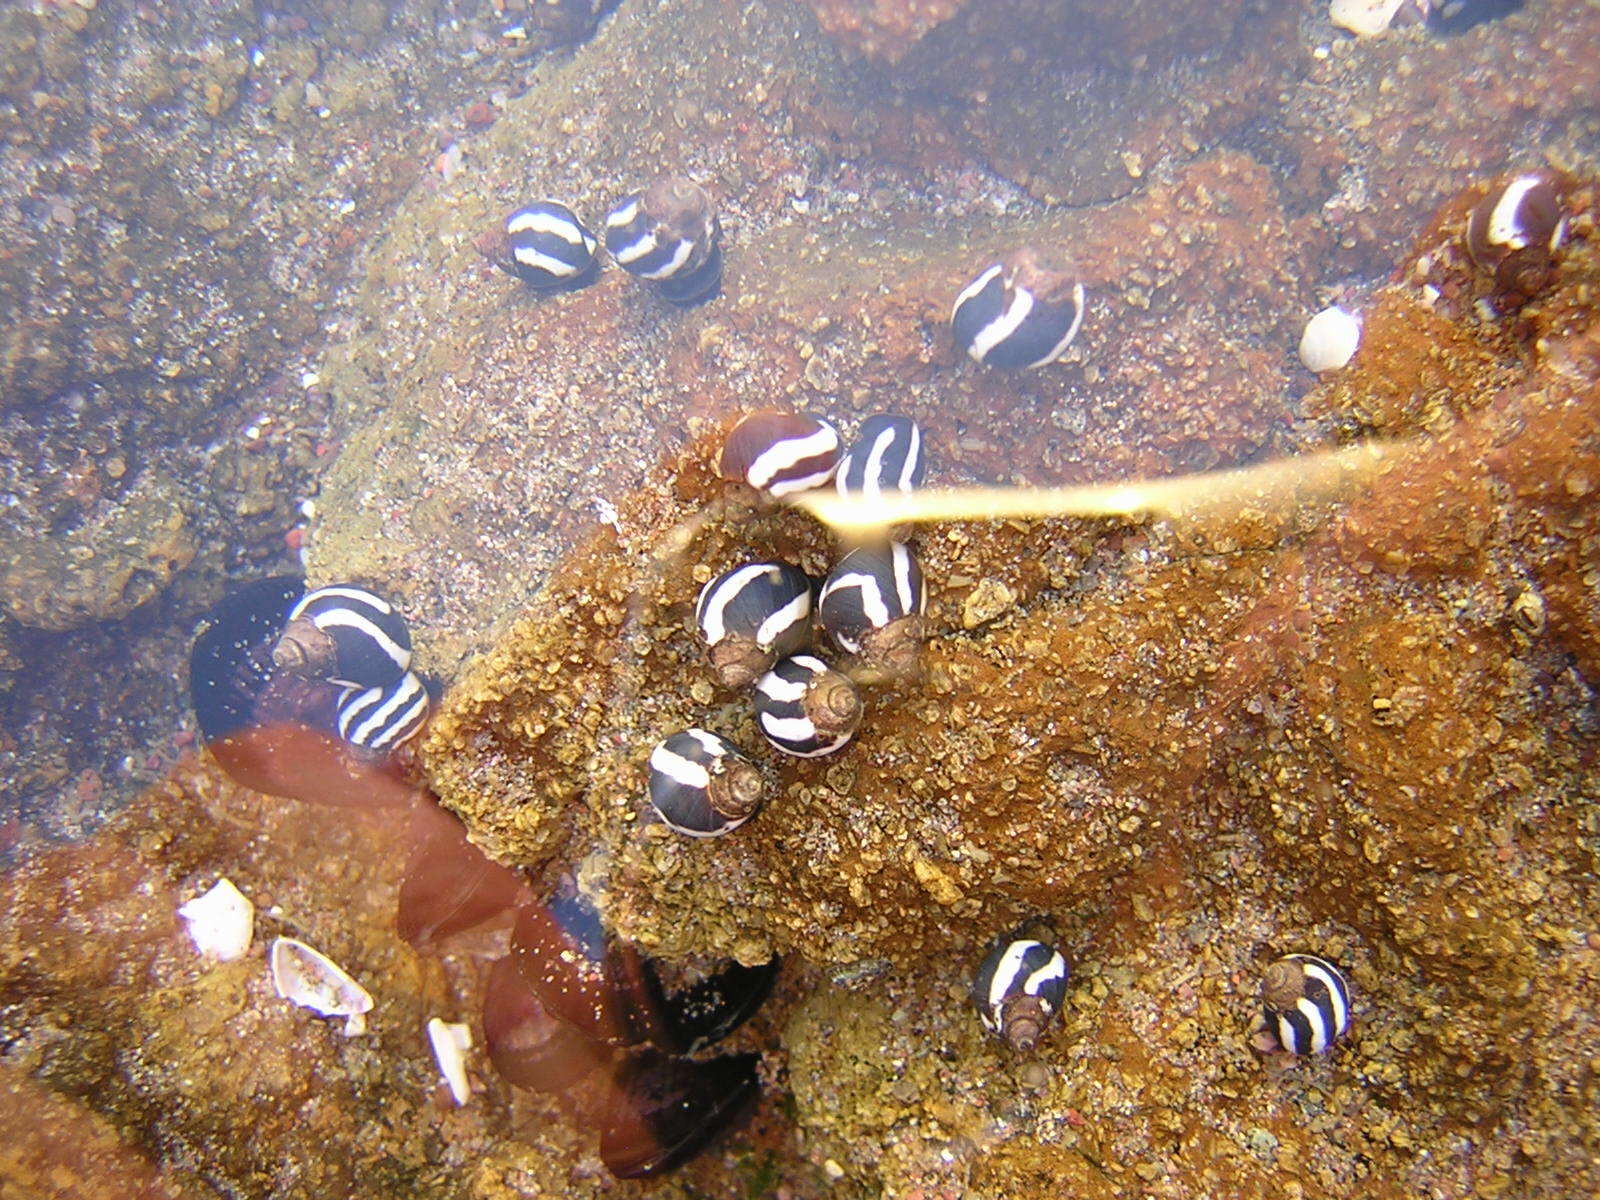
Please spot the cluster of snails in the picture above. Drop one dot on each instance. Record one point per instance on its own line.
(356, 641)
(1021, 983)
(755, 620)
(667, 233)
(335, 660)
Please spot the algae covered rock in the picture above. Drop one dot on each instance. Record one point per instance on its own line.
(121, 558)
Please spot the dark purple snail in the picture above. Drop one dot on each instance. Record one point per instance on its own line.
(872, 605)
(1305, 1005)
(781, 453)
(887, 456)
(1019, 988)
(668, 234)
(751, 616)
(701, 785)
(345, 635)
(1019, 312)
(545, 245)
(1516, 231)
(806, 709)
(381, 718)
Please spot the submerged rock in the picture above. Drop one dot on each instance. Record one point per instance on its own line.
(122, 557)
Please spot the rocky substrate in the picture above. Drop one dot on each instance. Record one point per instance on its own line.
(1362, 725)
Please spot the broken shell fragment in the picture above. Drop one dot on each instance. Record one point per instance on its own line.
(1330, 340)
(450, 1041)
(312, 980)
(220, 922)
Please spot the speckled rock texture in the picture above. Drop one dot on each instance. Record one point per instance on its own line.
(1363, 726)
(184, 191)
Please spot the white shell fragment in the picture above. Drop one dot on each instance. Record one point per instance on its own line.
(312, 980)
(1364, 18)
(451, 1041)
(1330, 340)
(220, 922)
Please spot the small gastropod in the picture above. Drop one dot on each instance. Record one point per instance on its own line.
(887, 456)
(381, 718)
(780, 453)
(345, 635)
(752, 616)
(872, 605)
(1019, 312)
(701, 785)
(545, 245)
(805, 708)
(668, 234)
(1516, 231)
(1305, 1005)
(1019, 988)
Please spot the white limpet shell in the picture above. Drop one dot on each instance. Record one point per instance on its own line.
(220, 922)
(1364, 18)
(312, 980)
(451, 1041)
(1330, 340)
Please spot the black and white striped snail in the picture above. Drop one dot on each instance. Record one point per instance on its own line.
(545, 245)
(1019, 988)
(886, 456)
(806, 709)
(1018, 312)
(381, 718)
(781, 453)
(872, 605)
(752, 616)
(1305, 1003)
(668, 234)
(1516, 231)
(345, 635)
(701, 785)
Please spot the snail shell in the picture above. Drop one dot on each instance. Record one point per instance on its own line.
(1019, 988)
(701, 785)
(668, 234)
(1516, 231)
(885, 457)
(381, 718)
(751, 616)
(545, 245)
(781, 453)
(806, 709)
(872, 605)
(345, 635)
(1306, 1003)
(1019, 312)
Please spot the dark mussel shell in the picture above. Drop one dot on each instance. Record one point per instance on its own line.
(230, 663)
(450, 885)
(663, 1111)
(706, 1012)
(531, 1049)
(605, 990)
(609, 992)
